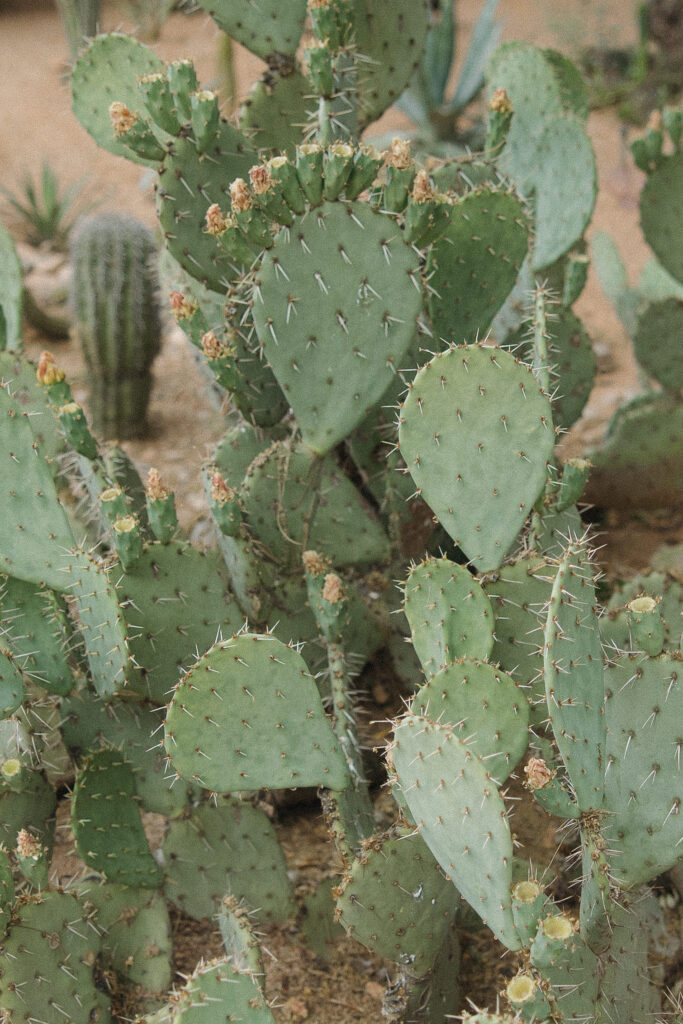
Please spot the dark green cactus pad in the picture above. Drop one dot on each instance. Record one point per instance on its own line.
(628, 992)
(248, 716)
(640, 463)
(38, 632)
(476, 434)
(188, 185)
(474, 265)
(644, 710)
(229, 848)
(658, 342)
(573, 91)
(7, 894)
(238, 938)
(10, 293)
(397, 902)
(35, 535)
(519, 594)
(32, 808)
(106, 822)
(46, 963)
(135, 933)
(267, 28)
(289, 493)
(484, 706)
(11, 684)
(335, 312)
(276, 111)
(108, 71)
(88, 723)
(660, 216)
(318, 924)
(550, 537)
(101, 623)
(217, 992)
(460, 815)
(564, 201)
(392, 35)
(572, 971)
(572, 363)
(572, 668)
(238, 448)
(175, 602)
(448, 612)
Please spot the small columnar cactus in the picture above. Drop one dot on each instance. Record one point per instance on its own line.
(117, 319)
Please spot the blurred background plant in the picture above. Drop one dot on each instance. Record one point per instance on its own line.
(80, 19)
(43, 211)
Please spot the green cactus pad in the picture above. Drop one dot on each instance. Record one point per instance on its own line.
(39, 634)
(449, 614)
(227, 848)
(391, 35)
(572, 364)
(564, 202)
(108, 71)
(276, 111)
(476, 434)
(102, 624)
(239, 717)
(335, 312)
(474, 265)
(175, 603)
(396, 901)
(106, 821)
(571, 970)
(188, 186)
(461, 816)
(32, 808)
(217, 992)
(660, 214)
(640, 463)
(628, 991)
(267, 28)
(47, 961)
(572, 668)
(11, 287)
(290, 493)
(11, 684)
(136, 933)
(483, 706)
(35, 535)
(20, 376)
(658, 342)
(88, 723)
(644, 710)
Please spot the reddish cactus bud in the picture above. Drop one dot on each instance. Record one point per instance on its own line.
(538, 775)
(155, 490)
(220, 492)
(399, 155)
(422, 190)
(240, 195)
(260, 179)
(181, 307)
(48, 372)
(122, 118)
(216, 221)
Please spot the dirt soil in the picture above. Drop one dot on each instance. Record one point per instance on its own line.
(38, 126)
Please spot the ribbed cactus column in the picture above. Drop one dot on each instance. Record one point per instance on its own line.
(117, 319)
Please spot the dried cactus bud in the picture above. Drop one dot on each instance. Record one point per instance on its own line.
(28, 845)
(314, 563)
(422, 190)
(181, 307)
(155, 490)
(216, 221)
(240, 196)
(521, 989)
(220, 492)
(212, 346)
(122, 118)
(500, 102)
(261, 180)
(537, 773)
(333, 590)
(399, 155)
(48, 372)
